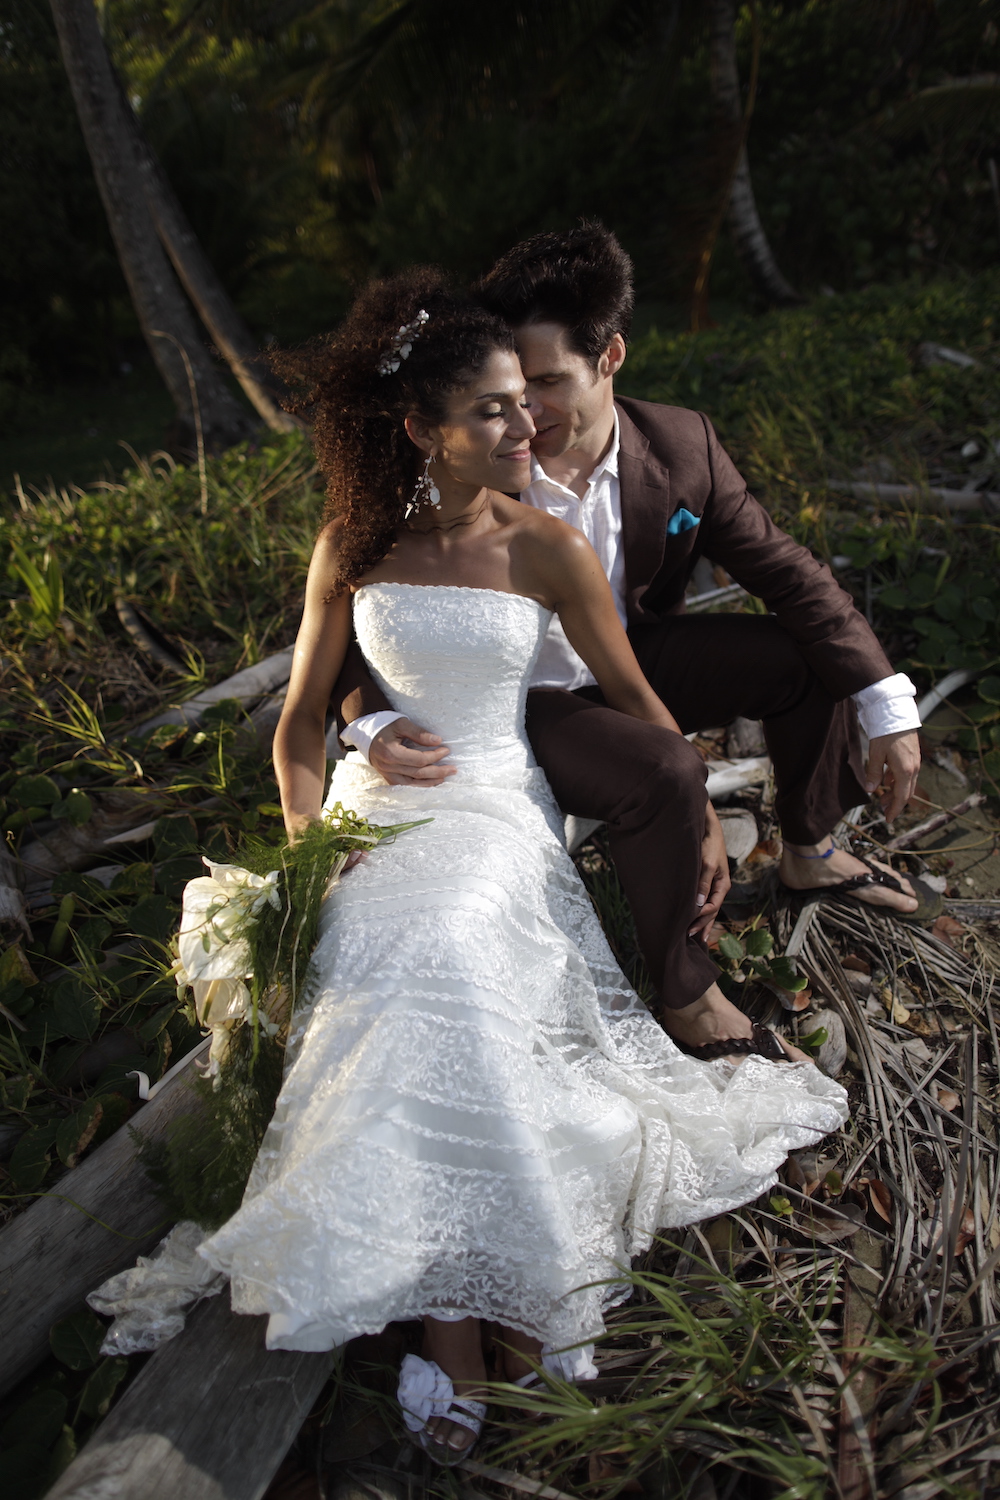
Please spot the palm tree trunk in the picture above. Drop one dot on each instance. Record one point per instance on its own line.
(749, 238)
(164, 314)
(197, 275)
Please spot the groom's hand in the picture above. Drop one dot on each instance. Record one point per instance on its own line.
(405, 755)
(893, 763)
(714, 880)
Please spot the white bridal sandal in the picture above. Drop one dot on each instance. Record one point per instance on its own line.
(426, 1392)
(571, 1365)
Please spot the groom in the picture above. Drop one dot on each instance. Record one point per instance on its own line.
(653, 490)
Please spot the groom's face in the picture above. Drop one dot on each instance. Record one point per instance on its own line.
(569, 397)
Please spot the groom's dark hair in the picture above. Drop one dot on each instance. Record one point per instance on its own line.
(581, 278)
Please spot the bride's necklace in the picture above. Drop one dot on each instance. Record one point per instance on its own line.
(451, 525)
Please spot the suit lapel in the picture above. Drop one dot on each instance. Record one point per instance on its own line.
(644, 484)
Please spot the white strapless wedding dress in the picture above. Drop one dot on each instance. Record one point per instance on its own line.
(478, 1113)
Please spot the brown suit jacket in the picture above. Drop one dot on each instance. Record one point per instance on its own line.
(670, 460)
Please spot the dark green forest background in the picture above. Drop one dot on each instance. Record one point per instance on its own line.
(307, 159)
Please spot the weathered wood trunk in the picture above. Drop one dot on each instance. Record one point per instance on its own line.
(210, 1417)
(97, 1219)
(749, 238)
(197, 275)
(159, 302)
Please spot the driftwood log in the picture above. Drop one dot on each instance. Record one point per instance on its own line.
(247, 687)
(66, 847)
(95, 1221)
(921, 497)
(936, 821)
(210, 1417)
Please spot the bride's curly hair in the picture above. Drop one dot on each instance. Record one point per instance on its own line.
(369, 464)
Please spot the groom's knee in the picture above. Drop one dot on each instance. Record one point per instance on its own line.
(667, 776)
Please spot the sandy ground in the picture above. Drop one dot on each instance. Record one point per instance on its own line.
(966, 852)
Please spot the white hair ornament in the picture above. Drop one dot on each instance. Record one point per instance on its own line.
(402, 343)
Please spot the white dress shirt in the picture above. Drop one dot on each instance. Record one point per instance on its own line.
(885, 707)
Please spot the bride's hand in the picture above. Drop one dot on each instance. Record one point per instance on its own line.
(714, 882)
(405, 755)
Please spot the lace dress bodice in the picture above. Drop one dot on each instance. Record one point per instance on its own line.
(458, 662)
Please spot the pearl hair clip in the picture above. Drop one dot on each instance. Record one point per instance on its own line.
(402, 343)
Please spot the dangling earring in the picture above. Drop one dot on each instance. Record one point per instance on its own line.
(426, 492)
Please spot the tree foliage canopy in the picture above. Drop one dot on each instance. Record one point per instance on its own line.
(313, 142)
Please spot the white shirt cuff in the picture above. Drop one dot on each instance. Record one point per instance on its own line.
(361, 732)
(887, 707)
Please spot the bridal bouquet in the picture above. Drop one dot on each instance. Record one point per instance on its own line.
(246, 937)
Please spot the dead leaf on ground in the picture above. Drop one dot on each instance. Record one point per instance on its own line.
(859, 965)
(794, 1175)
(602, 1469)
(947, 930)
(800, 1001)
(767, 852)
(922, 1027)
(838, 1222)
(933, 1233)
(966, 1231)
(881, 1198)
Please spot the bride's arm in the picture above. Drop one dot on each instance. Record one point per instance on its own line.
(320, 647)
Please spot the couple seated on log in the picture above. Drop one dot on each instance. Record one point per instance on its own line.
(479, 1122)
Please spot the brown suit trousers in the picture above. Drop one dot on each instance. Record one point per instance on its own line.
(648, 785)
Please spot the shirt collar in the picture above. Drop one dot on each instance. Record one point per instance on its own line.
(608, 464)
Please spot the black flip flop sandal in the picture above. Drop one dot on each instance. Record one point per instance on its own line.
(929, 901)
(762, 1043)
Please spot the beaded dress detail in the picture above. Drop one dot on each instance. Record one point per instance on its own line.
(478, 1113)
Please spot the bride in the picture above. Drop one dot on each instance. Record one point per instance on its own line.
(479, 1119)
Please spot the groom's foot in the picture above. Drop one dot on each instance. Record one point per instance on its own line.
(803, 867)
(713, 1018)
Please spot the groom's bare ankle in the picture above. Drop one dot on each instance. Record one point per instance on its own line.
(710, 1018)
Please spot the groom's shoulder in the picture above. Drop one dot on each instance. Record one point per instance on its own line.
(676, 435)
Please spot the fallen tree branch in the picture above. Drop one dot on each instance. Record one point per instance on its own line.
(932, 824)
(134, 626)
(246, 687)
(93, 1222)
(918, 494)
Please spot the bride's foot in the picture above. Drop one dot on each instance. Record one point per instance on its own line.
(707, 1021)
(457, 1349)
(806, 866)
(519, 1354)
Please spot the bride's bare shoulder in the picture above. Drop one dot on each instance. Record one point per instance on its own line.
(325, 563)
(540, 533)
(326, 550)
(548, 556)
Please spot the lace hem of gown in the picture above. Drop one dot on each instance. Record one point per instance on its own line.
(477, 1111)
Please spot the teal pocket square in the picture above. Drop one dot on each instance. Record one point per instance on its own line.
(681, 520)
